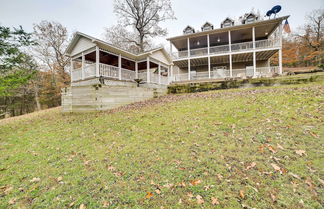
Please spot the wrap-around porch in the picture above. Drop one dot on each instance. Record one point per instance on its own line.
(100, 63)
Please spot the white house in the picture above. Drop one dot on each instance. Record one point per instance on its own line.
(236, 50)
(92, 59)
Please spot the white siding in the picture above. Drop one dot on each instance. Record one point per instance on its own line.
(82, 45)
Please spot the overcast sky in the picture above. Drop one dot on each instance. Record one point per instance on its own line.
(92, 16)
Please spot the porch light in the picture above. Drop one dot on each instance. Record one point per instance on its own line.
(218, 40)
(198, 43)
(266, 33)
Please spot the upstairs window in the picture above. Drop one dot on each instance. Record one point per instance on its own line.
(207, 26)
(188, 30)
(228, 22)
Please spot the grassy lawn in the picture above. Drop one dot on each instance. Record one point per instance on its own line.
(251, 148)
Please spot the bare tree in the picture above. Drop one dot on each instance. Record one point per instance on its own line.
(52, 38)
(313, 31)
(119, 36)
(144, 17)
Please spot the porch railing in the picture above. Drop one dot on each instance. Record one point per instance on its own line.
(236, 47)
(225, 73)
(90, 70)
(77, 74)
(108, 71)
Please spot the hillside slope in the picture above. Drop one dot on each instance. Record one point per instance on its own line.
(259, 148)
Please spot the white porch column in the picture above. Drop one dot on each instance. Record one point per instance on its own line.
(170, 48)
(136, 70)
(159, 71)
(280, 50)
(208, 51)
(189, 69)
(119, 67)
(71, 66)
(231, 65)
(97, 61)
(82, 69)
(171, 73)
(254, 55)
(188, 46)
(230, 50)
(209, 73)
(148, 80)
(280, 61)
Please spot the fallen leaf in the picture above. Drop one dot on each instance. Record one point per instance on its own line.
(180, 201)
(279, 146)
(190, 195)
(252, 165)
(273, 198)
(7, 190)
(275, 166)
(71, 204)
(87, 162)
(195, 182)
(168, 186)
(59, 179)
(242, 194)
(294, 175)
(157, 191)
(313, 134)
(300, 152)
(220, 177)
(111, 168)
(321, 181)
(149, 195)
(271, 149)
(105, 204)
(214, 201)
(200, 200)
(12, 201)
(82, 206)
(35, 180)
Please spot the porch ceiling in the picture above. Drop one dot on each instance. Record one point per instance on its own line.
(244, 57)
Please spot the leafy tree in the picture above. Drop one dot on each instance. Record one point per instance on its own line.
(16, 66)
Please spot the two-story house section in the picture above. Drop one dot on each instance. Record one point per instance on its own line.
(238, 49)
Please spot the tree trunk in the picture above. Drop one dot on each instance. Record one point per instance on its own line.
(38, 106)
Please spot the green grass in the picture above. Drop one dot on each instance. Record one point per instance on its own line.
(165, 146)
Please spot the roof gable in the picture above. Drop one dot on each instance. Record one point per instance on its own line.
(189, 30)
(207, 26)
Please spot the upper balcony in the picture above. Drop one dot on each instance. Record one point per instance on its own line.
(223, 49)
(259, 35)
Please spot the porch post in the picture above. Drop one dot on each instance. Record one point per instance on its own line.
(97, 61)
(280, 49)
(230, 50)
(189, 69)
(136, 70)
(71, 63)
(159, 71)
(171, 73)
(208, 51)
(82, 69)
(148, 80)
(231, 65)
(188, 46)
(119, 67)
(280, 61)
(254, 55)
(170, 48)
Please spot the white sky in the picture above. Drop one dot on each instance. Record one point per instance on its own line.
(91, 16)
